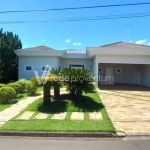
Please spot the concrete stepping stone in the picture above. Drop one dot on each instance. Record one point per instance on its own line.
(77, 116)
(59, 116)
(41, 116)
(95, 116)
(26, 115)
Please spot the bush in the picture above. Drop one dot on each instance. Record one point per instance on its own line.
(2, 85)
(7, 94)
(22, 82)
(31, 88)
(17, 87)
(34, 82)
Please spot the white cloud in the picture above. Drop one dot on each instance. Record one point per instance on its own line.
(76, 44)
(43, 40)
(130, 42)
(149, 44)
(141, 41)
(68, 41)
(128, 31)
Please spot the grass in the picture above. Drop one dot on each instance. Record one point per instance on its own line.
(18, 98)
(91, 103)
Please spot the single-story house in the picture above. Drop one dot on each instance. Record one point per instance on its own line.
(127, 63)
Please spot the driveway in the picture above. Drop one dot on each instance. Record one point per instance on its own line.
(128, 106)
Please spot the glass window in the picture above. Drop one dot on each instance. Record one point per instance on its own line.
(28, 68)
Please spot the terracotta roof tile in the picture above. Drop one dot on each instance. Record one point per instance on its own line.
(125, 45)
(39, 48)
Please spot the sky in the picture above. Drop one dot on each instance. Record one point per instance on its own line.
(75, 35)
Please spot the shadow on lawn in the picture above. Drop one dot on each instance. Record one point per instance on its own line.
(67, 105)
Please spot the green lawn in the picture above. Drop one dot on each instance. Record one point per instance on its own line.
(18, 98)
(91, 103)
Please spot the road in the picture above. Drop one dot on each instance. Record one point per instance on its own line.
(22, 143)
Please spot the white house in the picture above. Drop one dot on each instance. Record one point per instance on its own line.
(127, 63)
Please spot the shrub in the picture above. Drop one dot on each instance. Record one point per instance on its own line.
(7, 94)
(34, 82)
(22, 82)
(31, 88)
(17, 87)
(2, 85)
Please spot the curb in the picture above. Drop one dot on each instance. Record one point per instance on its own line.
(62, 134)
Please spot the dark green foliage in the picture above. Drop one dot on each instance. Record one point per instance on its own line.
(78, 81)
(8, 59)
(7, 94)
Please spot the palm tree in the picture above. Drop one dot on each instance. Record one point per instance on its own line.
(79, 81)
(57, 83)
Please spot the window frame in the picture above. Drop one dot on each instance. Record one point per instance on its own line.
(119, 69)
(28, 66)
(101, 70)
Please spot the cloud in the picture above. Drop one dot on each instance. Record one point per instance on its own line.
(76, 44)
(141, 41)
(128, 31)
(130, 42)
(149, 44)
(68, 41)
(43, 40)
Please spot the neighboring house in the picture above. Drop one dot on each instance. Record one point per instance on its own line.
(126, 62)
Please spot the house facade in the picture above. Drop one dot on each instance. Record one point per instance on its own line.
(125, 62)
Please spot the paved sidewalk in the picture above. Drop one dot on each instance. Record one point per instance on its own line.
(129, 110)
(15, 109)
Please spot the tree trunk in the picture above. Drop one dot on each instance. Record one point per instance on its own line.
(56, 92)
(79, 95)
(47, 96)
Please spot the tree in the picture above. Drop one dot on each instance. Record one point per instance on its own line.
(78, 81)
(57, 83)
(8, 59)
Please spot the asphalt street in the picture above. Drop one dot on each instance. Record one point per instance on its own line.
(26, 143)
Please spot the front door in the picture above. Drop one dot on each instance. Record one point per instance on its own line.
(109, 71)
(109, 75)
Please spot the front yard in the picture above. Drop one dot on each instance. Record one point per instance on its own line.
(91, 103)
(16, 99)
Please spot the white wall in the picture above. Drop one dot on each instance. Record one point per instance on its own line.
(128, 73)
(145, 75)
(88, 63)
(123, 59)
(37, 63)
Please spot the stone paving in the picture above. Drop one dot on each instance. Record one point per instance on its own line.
(61, 116)
(15, 109)
(129, 108)
(41, 116)
(26, 115)
(77, 116)
(95, 116)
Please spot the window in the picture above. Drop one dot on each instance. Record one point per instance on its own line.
(118, 70)
(100, 70)
(76, 67)
(28, 68)
(45, 68)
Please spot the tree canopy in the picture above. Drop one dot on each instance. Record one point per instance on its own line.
(8, 59)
